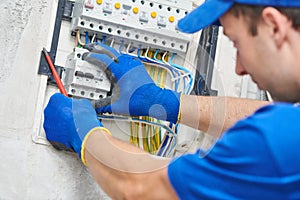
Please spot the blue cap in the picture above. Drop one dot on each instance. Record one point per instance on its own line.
(211, 10)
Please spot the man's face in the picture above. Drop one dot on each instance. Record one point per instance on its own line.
(259, 57)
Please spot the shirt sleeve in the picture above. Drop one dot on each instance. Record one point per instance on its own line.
(241, 165)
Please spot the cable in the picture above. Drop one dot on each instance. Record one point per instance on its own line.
(93, 38)
(176, 79)
(189, 89)
(172, 137)
(86, 37)
(103, 39)
(112, 42)
(78, 38)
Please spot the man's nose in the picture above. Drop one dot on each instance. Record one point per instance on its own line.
(239, 68)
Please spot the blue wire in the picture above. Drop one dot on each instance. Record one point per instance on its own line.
(86, 37)
(139, 52)
(103, 39)
(183, 69)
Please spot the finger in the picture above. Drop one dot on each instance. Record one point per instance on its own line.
(58, 98)
(100, 48)
(100, 60)
(105, 109)
(103, 102)
(61, 147)
(56, 101)
(109, 100)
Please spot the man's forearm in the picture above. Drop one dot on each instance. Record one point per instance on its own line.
(215, 114)
(126, 168)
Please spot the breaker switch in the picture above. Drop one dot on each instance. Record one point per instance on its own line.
(89, 4)
(144, 17)
(107, 8)
(162, 21)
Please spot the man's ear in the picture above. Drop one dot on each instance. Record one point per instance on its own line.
(278, 24)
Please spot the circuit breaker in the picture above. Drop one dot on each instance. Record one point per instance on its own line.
(140, 23)
(84, 80)
(127, 24)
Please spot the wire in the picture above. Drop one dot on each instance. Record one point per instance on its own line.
(175, 79)
(169, 132)
(93, 38)
(86, 37)
(112, 42)
(121, 46)
(103, 39)
(188, 73)
(78, 38)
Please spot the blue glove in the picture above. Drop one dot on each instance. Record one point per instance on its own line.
(137, 94)
(67, 122)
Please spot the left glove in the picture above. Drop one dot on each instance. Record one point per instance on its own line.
(138, 95)
(68, 122)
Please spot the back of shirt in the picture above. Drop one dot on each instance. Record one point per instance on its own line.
(258, 158)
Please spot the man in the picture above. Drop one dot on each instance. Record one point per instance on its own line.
(254, 159)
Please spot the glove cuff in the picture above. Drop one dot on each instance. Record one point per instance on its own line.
(171, 101)
(82, 152)
(179, 110)
(151, 100)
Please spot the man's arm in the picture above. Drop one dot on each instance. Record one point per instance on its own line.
(122, 170)
(130, 172)
(143, 97)
(215, 114)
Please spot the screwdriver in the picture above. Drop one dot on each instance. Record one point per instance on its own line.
(54, 73)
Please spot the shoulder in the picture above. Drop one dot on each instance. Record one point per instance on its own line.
(278, 117)
(275, 110)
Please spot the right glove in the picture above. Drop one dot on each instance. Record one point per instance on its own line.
(138, 95)
(69, 122)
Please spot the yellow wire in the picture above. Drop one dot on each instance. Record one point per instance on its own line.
(151, 135)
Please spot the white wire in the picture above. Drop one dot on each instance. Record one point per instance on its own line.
(78, 38)
(93, 38)
(112, 42)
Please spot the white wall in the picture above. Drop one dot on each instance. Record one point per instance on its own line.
(28, 170)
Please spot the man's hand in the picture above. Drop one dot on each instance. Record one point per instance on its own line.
(68, 121)
(137, 94)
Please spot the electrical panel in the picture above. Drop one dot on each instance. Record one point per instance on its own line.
(139, 23)
(141, 28)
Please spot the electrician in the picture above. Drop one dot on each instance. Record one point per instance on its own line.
(256, 158)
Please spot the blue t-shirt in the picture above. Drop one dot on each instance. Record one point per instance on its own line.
(258, 158)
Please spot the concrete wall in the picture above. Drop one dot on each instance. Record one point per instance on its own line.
(28, 170)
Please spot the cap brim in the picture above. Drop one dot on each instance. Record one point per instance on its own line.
(206, 14)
